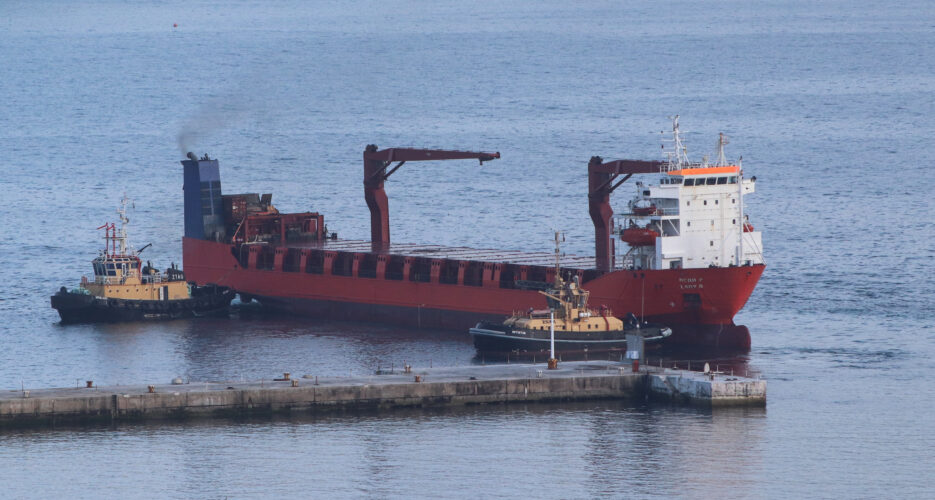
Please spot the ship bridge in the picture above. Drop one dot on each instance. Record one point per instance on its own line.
(693, 218)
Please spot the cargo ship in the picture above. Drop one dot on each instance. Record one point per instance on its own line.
(689, 258)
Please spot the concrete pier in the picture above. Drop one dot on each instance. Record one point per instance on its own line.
(714, 389)
(524, 383)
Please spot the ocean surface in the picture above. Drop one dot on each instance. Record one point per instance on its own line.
(830, 103)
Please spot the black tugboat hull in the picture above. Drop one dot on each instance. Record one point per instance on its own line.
(82, 308)
(493, 339)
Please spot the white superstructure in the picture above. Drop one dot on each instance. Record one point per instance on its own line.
(693, 218)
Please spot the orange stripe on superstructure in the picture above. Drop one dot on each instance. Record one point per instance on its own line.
(731, 169)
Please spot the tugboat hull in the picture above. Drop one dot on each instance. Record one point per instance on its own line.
(494, 338)
(85, 308)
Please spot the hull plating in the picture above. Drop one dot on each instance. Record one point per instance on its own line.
(699, 304)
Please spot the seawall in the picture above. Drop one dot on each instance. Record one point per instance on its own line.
(469, 385)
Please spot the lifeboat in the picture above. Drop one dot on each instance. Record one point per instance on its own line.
(644, 208)
(639, 236)
(747, 227)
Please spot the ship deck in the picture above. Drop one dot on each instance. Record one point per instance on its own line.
(545, 259)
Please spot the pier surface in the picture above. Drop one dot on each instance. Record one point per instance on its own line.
(421, 387)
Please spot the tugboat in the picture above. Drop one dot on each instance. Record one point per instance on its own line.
(125, 290)
(576, 327)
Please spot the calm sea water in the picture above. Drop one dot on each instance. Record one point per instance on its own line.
(831, 105)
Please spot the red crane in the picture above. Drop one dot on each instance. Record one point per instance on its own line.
(376, 163)
(601, 178)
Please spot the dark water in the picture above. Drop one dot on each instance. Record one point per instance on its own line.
(830, 104)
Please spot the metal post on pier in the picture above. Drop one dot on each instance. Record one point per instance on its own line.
(635, 349)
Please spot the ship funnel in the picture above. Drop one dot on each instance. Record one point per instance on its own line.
(204, 219)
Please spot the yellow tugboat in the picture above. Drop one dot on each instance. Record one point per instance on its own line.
(576, 327)
(125, 290)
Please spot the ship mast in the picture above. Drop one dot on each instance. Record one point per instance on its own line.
(121, 236)
(721, 142)
(678, 158)
(559, 237)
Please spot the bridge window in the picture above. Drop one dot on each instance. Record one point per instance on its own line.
(711, 181)
(733, 179)
(689, 182)
(722, 180)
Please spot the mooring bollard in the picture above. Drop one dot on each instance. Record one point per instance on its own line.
(90, 383)
(407, 368)
(151, 388)
(418, 378)
(295, 383)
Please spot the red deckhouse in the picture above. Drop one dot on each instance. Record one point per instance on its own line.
(691, 260)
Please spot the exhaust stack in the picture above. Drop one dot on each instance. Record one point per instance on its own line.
(204, 217)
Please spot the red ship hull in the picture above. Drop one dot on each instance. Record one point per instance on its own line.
(699, 304)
